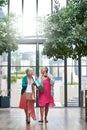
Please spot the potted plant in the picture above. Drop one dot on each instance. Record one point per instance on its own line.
(4, 99)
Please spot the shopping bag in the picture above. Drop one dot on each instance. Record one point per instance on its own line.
(39, 84)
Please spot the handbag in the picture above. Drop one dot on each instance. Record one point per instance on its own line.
(39, 84)
(30, 94)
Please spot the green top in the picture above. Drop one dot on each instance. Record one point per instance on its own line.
(24, 84)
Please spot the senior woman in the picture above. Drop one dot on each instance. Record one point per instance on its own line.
(26, 102)
(45, 98)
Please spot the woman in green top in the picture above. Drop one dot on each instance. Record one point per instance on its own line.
(25, 103)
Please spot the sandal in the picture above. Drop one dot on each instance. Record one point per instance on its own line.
(28, 121)
(46, 121)
(40, 121)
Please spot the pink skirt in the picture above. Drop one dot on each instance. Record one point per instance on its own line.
(27, 105)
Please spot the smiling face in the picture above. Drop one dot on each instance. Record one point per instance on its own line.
(44, 72)
(29, 72)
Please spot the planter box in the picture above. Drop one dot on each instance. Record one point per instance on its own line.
(4, 102)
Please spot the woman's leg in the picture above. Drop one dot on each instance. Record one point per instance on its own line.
(28, 120)
(25, 113)
(27, 117)
(46, 113)
(41, 113)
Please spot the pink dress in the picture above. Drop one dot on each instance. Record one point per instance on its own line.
(27, 105)
(45, 98)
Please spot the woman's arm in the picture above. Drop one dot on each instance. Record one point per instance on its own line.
(24, 84)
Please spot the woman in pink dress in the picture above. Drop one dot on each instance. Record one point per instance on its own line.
(45, 99)
(28, 104)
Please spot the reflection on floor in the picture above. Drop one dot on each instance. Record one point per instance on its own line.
(58, 119)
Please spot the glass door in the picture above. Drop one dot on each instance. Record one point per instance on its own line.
(56, 69)
(21, 59)
(72, 82)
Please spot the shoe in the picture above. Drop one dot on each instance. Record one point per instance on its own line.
(40, 121)
(28, 121)
(46, 121)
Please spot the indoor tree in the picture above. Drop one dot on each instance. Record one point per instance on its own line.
(3, 2)
(8, 31)
(66, 31)
(8, 34)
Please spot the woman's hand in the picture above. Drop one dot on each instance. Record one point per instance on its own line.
(36, 77)
(45, 74)
(52, 85)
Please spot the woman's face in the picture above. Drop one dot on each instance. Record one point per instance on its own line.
(43, 72)
(30, 73)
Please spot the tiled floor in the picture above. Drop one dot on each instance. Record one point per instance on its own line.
(58, 119)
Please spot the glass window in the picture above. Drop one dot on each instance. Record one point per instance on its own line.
(21, 59)
(72, 85)
(56, 69)
(24, 56)
(16, 80)
(61, 3)
(5, 9)
(3, 74)
(45, 61)
(4, 59)
(16, 8)
(84, 77)
(29, 18)
(84, 73)
(58, 88)
(84, 61)
(44, 7)
(72, 82)
(3, 80)
(69, 61)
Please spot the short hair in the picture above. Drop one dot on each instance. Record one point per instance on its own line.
(28, 70)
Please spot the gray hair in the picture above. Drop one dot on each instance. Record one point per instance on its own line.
(28, 70)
